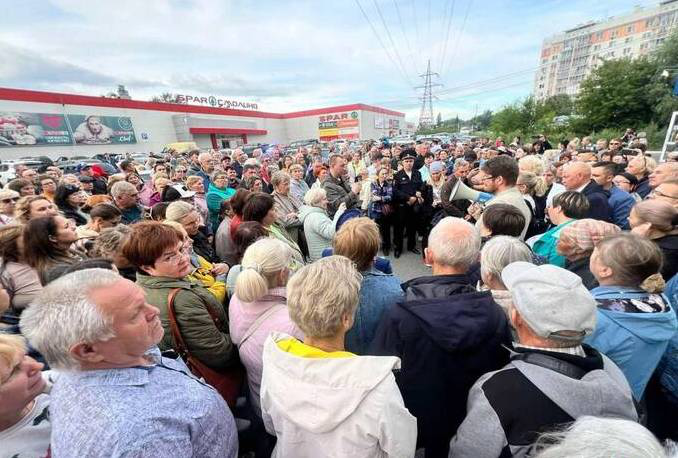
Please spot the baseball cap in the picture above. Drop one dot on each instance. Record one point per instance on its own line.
(552, 301)
(85, 179)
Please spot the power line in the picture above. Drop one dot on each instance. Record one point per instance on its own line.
(407, 79)
(390, 37)
(402, 27)
(459, 33)
(447, 34)
(416, 28)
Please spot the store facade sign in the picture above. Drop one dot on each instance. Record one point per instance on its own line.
(215, 102)
(33, 129)
(339, 126)
(102, 130)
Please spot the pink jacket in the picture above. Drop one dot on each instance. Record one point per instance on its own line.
(241, 316)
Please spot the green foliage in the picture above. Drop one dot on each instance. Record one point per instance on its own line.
(618, 94)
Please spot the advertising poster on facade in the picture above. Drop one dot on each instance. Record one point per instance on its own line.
(339, 126)
(31, 129)
(102, 130)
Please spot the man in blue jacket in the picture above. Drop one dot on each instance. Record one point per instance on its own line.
(577, 177)
(620, 201)
(446, 334)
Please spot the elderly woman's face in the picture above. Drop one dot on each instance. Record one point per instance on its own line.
(283, 187)
(257, 186)
(20, 382)
(191, 223)
(297, 174)
(197, 186)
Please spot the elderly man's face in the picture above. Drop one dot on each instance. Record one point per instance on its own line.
(572, 179)
(667, 192)
(135, 322)
(662, 173)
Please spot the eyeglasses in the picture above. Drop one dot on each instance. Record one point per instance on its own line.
(487, 178)
(184, 250)
(11, 199)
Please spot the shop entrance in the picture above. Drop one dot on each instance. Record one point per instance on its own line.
(229, 141)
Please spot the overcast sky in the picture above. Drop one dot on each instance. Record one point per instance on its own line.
(289, 55)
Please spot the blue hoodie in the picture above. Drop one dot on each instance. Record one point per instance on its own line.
(634, 341)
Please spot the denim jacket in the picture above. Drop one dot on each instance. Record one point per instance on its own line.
(378, 292)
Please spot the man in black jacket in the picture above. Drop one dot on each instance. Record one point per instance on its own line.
(577, 177)
(408, 198)
(446, 334)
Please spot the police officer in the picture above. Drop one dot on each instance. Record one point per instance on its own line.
(407, 195)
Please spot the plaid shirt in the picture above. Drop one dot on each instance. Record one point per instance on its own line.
(384, 191)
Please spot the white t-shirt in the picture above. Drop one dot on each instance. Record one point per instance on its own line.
(30, 437)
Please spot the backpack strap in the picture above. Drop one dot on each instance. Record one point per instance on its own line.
(258, 322)
(550, 362)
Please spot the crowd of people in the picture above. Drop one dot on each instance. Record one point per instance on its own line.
(246, 305)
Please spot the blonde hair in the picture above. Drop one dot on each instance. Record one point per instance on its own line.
(11, 346)
(176, 211)
(22, 209)
(660, 214)
(191, 180)
(159, 175)
(535, 183)
(261, 264)
(358, 240)
(532, 164)
(321, 294)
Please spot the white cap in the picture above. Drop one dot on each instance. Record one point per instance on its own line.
(552, 301)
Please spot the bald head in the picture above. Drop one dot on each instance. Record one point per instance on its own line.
(576, 175)
(453, 243)
(663, 172)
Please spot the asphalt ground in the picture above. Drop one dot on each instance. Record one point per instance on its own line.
(408, 266)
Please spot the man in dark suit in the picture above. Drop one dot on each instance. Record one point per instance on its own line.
(577, 177)
(408, 198)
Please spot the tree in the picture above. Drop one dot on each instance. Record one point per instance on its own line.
(165, 97)
(617, 94)
(439, 120)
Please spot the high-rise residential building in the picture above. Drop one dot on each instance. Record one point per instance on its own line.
(568, 57)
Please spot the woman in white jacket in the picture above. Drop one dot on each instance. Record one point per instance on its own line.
(319, 229)
(317, 398)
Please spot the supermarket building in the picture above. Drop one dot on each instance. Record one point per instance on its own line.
(55, 124)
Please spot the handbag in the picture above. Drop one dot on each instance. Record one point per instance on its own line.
(386, 209)
(228, 383)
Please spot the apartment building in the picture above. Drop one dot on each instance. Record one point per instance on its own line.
(568, 57)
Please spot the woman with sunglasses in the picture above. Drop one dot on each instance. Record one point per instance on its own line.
(8, 200)
(179, 175)
(627, 182)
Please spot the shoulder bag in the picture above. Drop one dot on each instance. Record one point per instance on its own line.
(227, 383)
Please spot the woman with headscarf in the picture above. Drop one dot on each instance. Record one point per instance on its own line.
(576, 244)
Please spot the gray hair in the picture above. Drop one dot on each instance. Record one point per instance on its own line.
(320, 294)
(454, 242)
(178, 210)
(460, 162)
(280, 177)
(122, 187)
(314, 196)
(64, 315)
(499, 252)
(593, 437)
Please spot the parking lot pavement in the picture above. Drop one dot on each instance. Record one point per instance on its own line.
(408, 266)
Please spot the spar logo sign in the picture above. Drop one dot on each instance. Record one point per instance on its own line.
(215, 102)
(339, 125)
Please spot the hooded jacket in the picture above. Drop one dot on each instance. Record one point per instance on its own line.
(507, 409)
(345, 405)
(634, 341)
(447, 335)
(319, 229)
